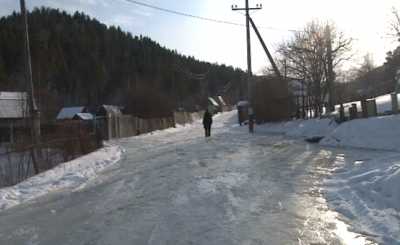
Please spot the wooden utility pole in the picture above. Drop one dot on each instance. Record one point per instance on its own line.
(330, 75)
(33, 109)
(249, 70)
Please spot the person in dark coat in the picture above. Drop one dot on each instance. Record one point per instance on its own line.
(207, 121)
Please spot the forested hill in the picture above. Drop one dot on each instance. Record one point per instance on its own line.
(79, 61)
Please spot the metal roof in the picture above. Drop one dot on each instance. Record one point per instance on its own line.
(13, 105)
(84, 116)
(69, 112)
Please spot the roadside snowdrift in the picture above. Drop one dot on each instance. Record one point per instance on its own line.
(67, 175)
(300, 128)
(380, 133)
(376, 133)
(367, 193)
(364, 185)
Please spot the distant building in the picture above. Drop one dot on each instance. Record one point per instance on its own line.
(109, 111)
(83, 117)
(68, 113)
(13, 111)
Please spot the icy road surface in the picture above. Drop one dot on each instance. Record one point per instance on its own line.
(176, 187)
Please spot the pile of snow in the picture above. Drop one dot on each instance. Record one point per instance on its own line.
(364, 186)
(67, 175)
(380, 133)
(300, 128)
(367, 193)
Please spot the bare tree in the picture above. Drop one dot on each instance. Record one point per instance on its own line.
(395, 25)
(366, 66)
(308, 56)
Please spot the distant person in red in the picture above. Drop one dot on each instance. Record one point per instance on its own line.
(207, 121)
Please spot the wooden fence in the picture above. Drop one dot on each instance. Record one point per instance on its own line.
(126, 125)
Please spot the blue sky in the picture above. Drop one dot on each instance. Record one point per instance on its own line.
(367, 21)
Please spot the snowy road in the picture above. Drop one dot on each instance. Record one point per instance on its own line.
(175, 187)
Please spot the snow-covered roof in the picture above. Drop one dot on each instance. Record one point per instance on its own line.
(213, 102)
(69, 112)
(221, 100)
(84, 116)
(13, 105)
(243, 103)
(111, 109)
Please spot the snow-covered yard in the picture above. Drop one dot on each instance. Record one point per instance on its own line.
(175, 187)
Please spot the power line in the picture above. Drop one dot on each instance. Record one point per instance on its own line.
(183, 14)
(219, 21)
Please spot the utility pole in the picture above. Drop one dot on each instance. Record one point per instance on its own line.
(330, 75)
(249, 70)
(33, 109)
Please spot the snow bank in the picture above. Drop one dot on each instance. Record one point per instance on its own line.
(367, 193)
(67, 175)
(300, 128)
(364, 186)
(378, 133)
(381, 133)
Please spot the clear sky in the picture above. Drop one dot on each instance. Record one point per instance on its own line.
(367, 21)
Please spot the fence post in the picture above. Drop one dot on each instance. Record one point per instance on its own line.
(395, 103)
(364, 108)
(109, 126)
(341, 113)
(353, 111)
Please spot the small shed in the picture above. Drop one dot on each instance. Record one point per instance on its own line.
(68, 113)
(109, 111)
(83, 117)
(13, 111)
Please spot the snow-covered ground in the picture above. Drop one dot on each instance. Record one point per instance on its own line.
(364, 188)
(300, 128)
(176, 187)
(67, 175)
(365, 180)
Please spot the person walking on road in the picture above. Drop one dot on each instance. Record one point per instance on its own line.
(207, 121)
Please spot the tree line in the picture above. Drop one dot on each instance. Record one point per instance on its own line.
(77, 60)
